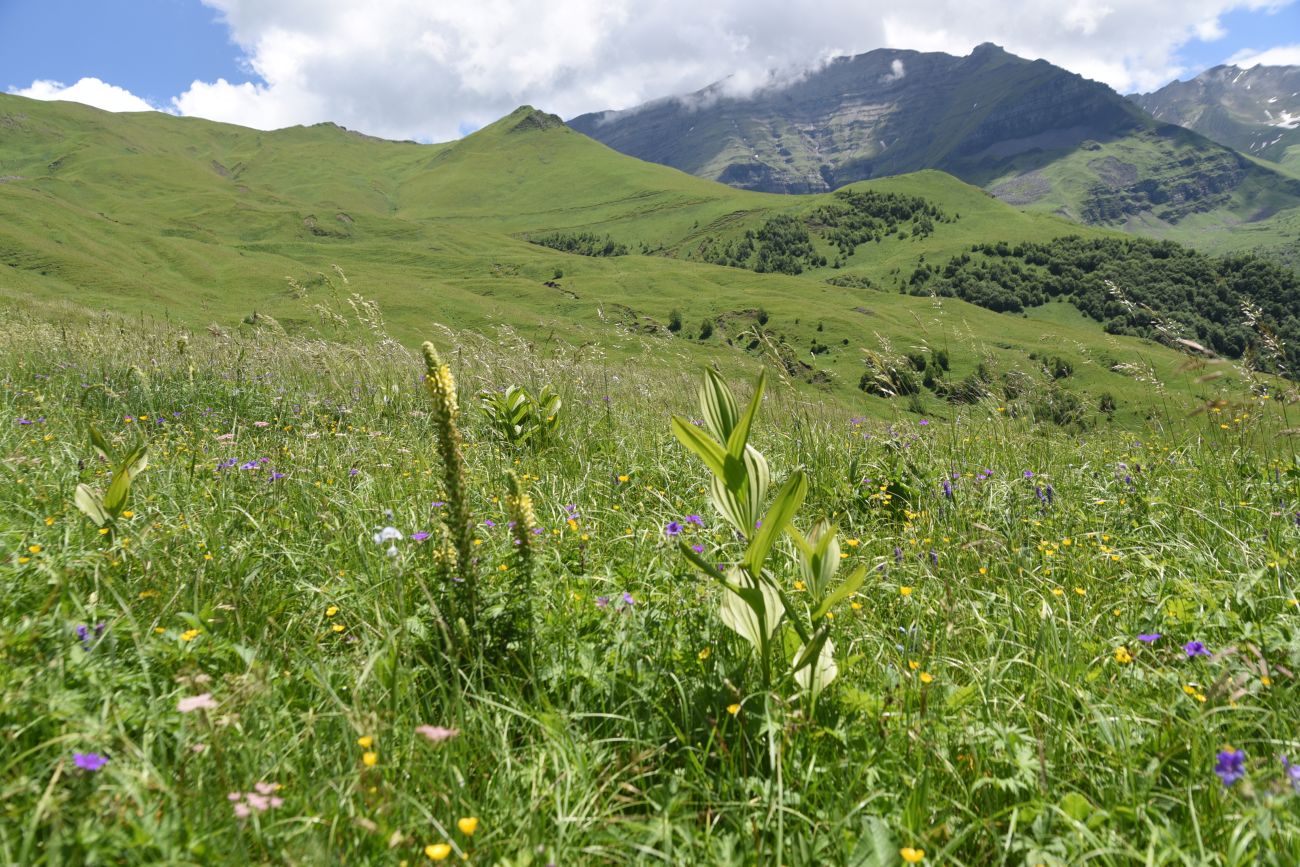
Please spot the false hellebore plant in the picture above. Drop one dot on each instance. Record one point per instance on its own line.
(106, 508)
(754, 604)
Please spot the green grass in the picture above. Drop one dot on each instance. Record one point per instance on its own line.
(1028, 741)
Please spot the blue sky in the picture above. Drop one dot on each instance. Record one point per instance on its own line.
(153, 48)
(1247, 31)
(437, 69)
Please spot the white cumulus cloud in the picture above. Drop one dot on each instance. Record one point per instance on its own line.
(88, 91)
(1281, 55)
(431, 70)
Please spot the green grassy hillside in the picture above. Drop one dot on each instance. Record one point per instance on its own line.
(203, 222)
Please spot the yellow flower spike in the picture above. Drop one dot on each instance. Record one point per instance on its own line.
(337, 627)
(704, 654)
(733, 709)
(437, 851)
(905, 591)
(369, 759)
(190, 634)
(913, 664)
(331, 611)
(35, 549)
(467, 825)
(365, 742)
(912, 856)
(926, 677)
(1122, 656)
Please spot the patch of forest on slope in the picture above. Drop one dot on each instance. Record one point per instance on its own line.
(1237, 305)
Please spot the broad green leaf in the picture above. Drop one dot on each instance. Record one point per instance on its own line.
(701, 443)
(805, 653)
(846, 589)
(1076, 806)
(100, 444)
(137, 461)
(783, 508)
(759, 479)
(115, 498)
(823, 560)
(89, 502)
(732, 507)
(751, 608)
(718, 405)
(820, 671)
(738, 437)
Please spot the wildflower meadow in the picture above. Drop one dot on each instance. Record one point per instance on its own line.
(279, 600)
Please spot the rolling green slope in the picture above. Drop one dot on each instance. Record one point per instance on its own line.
(203, 223)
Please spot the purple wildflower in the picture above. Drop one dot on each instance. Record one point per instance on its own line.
(489, 523)
(698, 549)
(1231, 766)
(923, 422)
(1149, 637)
(419, 537)
(602, 601)
(89, 761)
(353, 471)
(251, 465)
(672, 529)
(1195, 648)
(275, 477)
(947, 489)
(898, 555)
(1292, 773)
(627, 598)
(695, 519)
(86, 638)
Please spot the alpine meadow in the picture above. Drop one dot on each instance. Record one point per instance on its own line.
(516, 501)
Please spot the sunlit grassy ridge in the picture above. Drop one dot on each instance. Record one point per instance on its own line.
(984, 711)
(201, 223)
